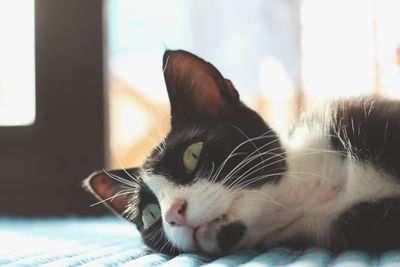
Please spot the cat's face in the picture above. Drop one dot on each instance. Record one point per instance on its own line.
(199, 190)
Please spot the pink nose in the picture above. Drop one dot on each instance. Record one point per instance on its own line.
(176, 213)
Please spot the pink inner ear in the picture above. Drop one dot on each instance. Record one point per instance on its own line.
(106, 188)
(197, 87)
(208, 98)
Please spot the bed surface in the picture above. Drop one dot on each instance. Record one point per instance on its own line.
(108, 241)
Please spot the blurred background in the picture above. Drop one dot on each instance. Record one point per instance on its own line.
(81, 85)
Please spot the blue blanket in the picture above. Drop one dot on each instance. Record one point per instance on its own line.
(109, 241)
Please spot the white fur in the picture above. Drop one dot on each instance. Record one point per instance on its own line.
(318, 187)
(205, 202)
(332, 186)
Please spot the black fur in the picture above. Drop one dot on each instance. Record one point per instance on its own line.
(221, 129)
(369, 128)
(219, 141)
(373, 227)
(141, 196)
(205, 107)
(229, 235)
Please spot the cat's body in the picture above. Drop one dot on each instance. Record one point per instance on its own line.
(345, 159)
(223, 180)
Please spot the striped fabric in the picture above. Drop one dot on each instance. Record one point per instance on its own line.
(111, 242)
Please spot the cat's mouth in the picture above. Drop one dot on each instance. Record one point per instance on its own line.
(200, 231)
(216, 234)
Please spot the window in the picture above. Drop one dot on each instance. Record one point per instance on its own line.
(43, 162)
(17, 65)
(353, 55)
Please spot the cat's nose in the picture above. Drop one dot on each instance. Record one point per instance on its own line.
(176, 215)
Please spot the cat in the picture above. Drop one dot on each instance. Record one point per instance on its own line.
(223, 180)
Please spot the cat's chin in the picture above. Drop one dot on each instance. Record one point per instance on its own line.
(218, 236)
(207, 238)
(204, 236)
(200, 231)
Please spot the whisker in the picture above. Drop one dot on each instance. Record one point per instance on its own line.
(166, 64)
(267, 198)
(120, 193)
(243, 143)
(287, 174)
(314, 151)
(249, 158)
(246, 161)
(131, 176)
(223, 165)
(245, 135)
(120, 179)
(239, 187)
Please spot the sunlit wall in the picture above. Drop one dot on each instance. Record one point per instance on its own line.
(244, 40)
(349, 47)
(279, 54)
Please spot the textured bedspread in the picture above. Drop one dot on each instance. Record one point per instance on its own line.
(112, 242)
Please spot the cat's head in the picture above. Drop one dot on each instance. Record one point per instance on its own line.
(199, 190)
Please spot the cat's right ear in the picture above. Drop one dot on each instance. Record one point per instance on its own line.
(114, 188)
(197, 90)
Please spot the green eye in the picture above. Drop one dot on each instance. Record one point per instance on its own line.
(150, 215)
(191, 156)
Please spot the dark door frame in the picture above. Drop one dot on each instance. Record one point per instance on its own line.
(41, 165)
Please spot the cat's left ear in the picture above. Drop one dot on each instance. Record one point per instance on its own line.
(110, 188)
(197, 90)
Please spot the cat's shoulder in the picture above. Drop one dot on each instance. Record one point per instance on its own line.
(367, 128)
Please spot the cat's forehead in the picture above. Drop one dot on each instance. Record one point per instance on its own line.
(205, 132)
(177, 139)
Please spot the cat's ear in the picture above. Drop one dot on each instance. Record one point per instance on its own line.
(196, 89)
(110, 188)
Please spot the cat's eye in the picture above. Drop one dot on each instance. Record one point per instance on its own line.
(150, 215)
(191, 156)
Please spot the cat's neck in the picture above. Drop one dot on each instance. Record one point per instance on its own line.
(321, 183)
(313, 166)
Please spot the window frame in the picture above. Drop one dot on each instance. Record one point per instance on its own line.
(43, 164)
